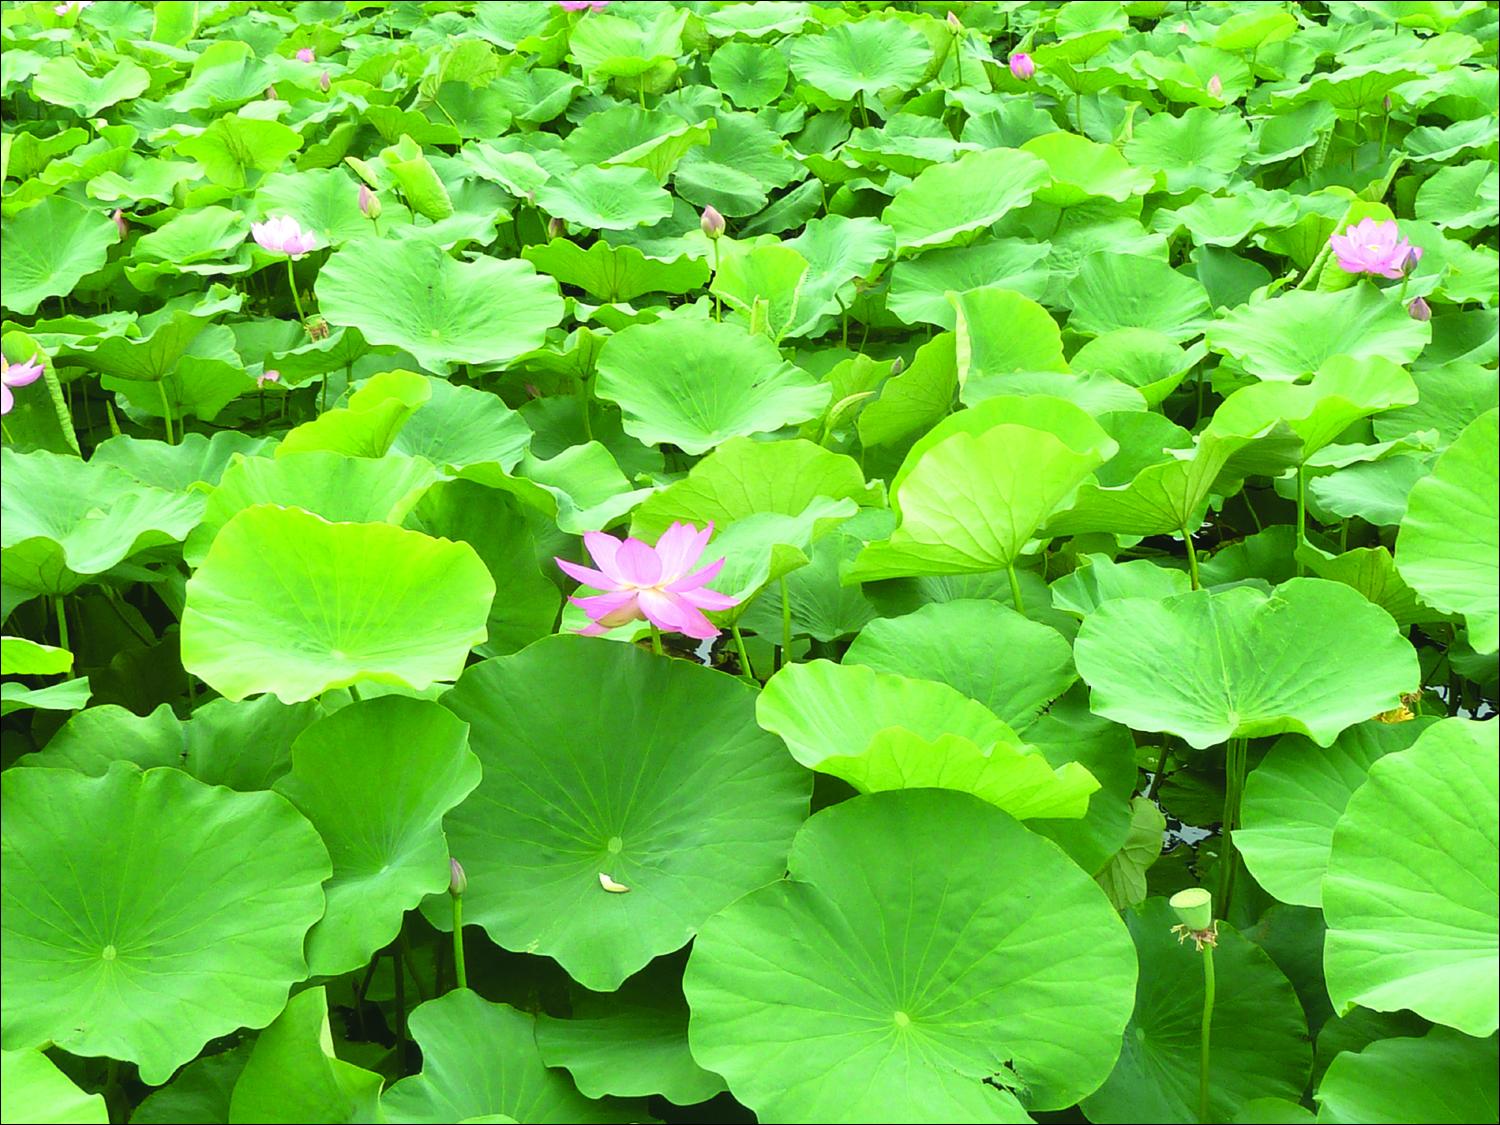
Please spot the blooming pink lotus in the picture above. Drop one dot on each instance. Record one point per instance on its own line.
(306, 54)
(268, 375)
(16, 375)
(72, 6)
(656, 584)
(583, 5)
(282, 235)
(1375, 248)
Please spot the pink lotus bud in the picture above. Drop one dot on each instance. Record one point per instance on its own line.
(306, 55)
(1022, 66)
(1387, 103)
(898, 365)
(583, 5)
(120, 224)
(458, 882)
(1413, 256)
(712, 223)
(1419, 310)
(323, 82)
(955, 24)
(269, 375)
(1216, 86)
(271, 92)
(369, 202)
(556, 228)
(532, 389)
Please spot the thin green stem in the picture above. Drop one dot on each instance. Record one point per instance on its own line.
(642, 89)
(656, 640)
(583, 406)
(411, 963)
(1078, 109)
(1354, 152)
(786, 625)
(718, 305)
(60, 407)
(746, 669)
(62, 622)
(1301, 516)
(458, 942)
(1161, 769)
(958, 61)
(1385, 124)
(291, 276)
(166, 410)
(1205, 1032)
(1235, 753)
(1192, 554)
(864, 116)
(399, 965)
(4, 429)
(1015, 589)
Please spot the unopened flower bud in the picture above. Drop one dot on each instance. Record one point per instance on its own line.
(458, 882)
(1216, 86)
(1387, 103)
(369, 202)
(1419, 309)
(269, 375)
(120, 224)
(1195, 907)
(323, 82)
(1413, 256)
(898, 365)
(271, 92)
(1022, 66)
(712, 222)
(556, 228)
(955, 24)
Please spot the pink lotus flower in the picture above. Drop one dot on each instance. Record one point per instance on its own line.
(72, 6)
(306, 54)
(583, 5)
(118, 218)
(655, 584)
(282, 235)
(323, 82)
(1022, 66)
(16, 375)
(269, 375)
(1216, 86)
(1375, 248)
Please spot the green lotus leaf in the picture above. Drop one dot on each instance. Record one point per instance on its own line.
(413, 295)
(1451, 396)
(821, 605)
(322, 200)
(920, 285)
(66, 520)
(1373, 572)
(49, 248)
(1253, 29)
(420, 185)
(480, 1063)
(458, 426)
(1001, 333)
(289, 603)
(236, 146)
(1123, 875)
(581, 489)
(905, 145)
(742, 162)
(376, 779)
(764, 286)
(1245, 663)
(1349, 87)
(695, 384)
(1201, 149)
(1099, 579)
(195, 236)
(630, 1043)
(1260, 1045)
(643, 138)
(573, 803)
(366, 426)
(1295, 796)
(757, 19)
(1082, 170)
(1138, 357)
(147, 913)
(338, 488)
(33, 1089)
(750, 74)
(615, 198)
(947, 201)
(616, 273)
(1447, 546)
(245, 746)
(1014, 666)
(198, 459)
(71, 695)
(1462, 196)
(224, 75)
(860, 58)
(839, 250)
(611, 47)
(1113, 291)
(970, 498)
(1225, 221)
(1441, 1077)
(1292, 336)
(62, 81)
(200, 1091)
(293, 1072)
(915, 400)
(22, 657)
(1411, 920)
(906, 977)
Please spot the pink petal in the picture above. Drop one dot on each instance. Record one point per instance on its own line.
(637, 563)
(7, 400)
(679, 548)
(708, 599)
(697, 578)
(610, 609)
(596, 579)
(669, 611)
(604, 548)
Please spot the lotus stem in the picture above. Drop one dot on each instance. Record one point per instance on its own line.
(166, 410)
(1161, 769)
(400, 968)
(583, 406)
(62, 622)
(656, 640)
(718, 305)
(291, 277)
(60, 406)
(1015, 589)
(786, 625)
(1192, 556)
(1235, 752)
(746, 669)
(459, 973)
(1205, 1032)
(1301, 515)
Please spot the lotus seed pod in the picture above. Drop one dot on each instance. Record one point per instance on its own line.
(1195, 906)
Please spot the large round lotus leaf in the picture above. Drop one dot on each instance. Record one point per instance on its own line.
(1000, 333)
(947, 201)
(63, 520)
(1126, 291)
(200, 1091)
(1341, 393)
(292, 1073)
(1292, 336)
(1451, 397)
(750, 74)
(742, 161)
(972, 501)
(915, 400)
(1463, 196)
(376, 779)
(49, 248)
(860, 58)
(652, 139)
(611, 47)
(987, 651)
(443, 311)
(195, 460)
(289, 603)
(1082, 170)
(1201, 149)
(616, 273)
(147, 913)
(1443, 1078)
(920, 285)
(1259, 1041)
(459, 426)
(894, 977)
(1411, 913)
(1295, 796)
(1139, 357)
(695, 383)
(367, 423)
(63, 82)
(1099, 579)
(480, 1059)
(33, 1089)
(1245, 663)
(616, 198)
(1448, 546)
(603, 764)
